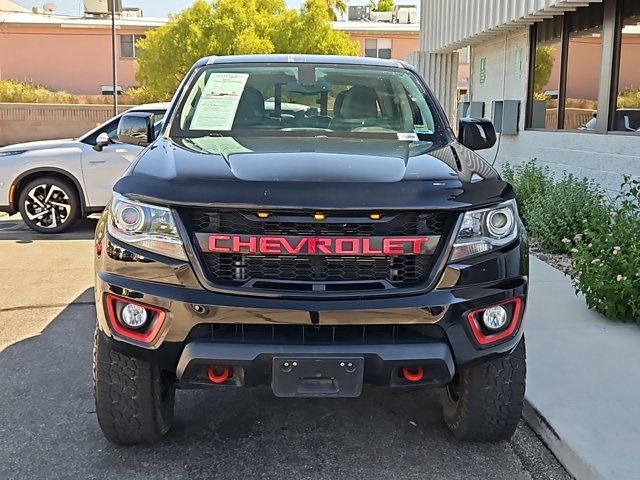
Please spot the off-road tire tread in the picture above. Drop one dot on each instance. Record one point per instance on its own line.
(127, 390)
(491, 397)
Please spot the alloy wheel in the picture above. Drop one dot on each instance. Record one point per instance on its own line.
(48, 206)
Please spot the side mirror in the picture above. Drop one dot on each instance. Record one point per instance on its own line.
(476, 133)
(136, 128)
(102, 141)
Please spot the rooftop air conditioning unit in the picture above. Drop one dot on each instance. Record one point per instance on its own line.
(101, 7)
(405, 14)
(358, 13)
(382, 16)
(131, 12)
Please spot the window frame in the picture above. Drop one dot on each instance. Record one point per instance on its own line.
(135, 37)
(377, 48)
(612, 26)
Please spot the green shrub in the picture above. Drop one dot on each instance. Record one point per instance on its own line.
(606, 258)
(13, 91)
(554, 209)
(139, 95)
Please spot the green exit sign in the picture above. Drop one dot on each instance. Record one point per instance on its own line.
(483, 70)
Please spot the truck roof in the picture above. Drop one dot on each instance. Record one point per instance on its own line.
(300, 58)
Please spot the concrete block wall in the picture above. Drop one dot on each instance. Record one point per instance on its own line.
(25, 122)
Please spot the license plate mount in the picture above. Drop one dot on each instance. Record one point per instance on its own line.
(300, 376)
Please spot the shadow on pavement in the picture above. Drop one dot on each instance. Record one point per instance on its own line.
(49, 428)
(13, 228)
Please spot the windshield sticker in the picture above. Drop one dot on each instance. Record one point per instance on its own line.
(217, 108)
(408, 137)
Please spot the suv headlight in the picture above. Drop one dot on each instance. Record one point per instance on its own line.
(148, 227)
(483, 230)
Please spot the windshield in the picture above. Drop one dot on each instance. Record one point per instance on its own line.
(305, 99)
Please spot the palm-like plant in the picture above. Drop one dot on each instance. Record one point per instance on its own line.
(336, 6)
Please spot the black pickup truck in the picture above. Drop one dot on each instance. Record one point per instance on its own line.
(309, 223)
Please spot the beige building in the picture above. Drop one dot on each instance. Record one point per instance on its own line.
(565, 71)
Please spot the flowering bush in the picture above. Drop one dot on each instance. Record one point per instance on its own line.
(555, 209)
(606, 258)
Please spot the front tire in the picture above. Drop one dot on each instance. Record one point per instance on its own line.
(484, 402)
(49, 205)
(134, 399)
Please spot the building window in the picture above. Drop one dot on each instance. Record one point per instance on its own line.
(627, 105)
(128, 45)
(584, 66)
(568, 81)
(546, 74)
(377, 48)
(566, 70)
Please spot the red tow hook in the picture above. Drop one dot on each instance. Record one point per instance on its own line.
(413, 374)
(214, 377)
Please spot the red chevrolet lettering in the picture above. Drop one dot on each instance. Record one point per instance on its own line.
(239, 245)
(213, 244)
(367, 250)
(353, 243)
(290, 248)
(271, 245)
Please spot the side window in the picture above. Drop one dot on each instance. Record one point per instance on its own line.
(110, 128)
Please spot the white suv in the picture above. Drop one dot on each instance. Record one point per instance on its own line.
(53, 183)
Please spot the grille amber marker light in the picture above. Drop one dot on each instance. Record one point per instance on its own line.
(319, 217)
(263, 215)
(375, 216)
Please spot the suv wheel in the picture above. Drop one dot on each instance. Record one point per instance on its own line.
(484, 401)
(134, 399)
(49, 205)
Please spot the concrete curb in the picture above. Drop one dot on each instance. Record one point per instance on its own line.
(571, 460)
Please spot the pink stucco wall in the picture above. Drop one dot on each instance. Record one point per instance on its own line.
(584, 67)
(401, 44)
(77, 60)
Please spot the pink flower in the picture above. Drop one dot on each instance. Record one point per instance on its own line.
(620, 278)
(578, 237)
(616, 250)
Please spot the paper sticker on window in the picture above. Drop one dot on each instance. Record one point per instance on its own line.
(408, 137)
(217, 107)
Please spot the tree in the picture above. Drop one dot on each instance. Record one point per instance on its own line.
(334, 6)
(229, 27)
(544, 66)
(381, 6)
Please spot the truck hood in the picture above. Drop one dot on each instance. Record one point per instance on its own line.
(39, 145)
(314, 173)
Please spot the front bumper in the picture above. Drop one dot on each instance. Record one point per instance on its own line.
(252, 365)
(173, 287)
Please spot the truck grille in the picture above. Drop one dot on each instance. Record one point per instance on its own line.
(314, 272)
(316, 334)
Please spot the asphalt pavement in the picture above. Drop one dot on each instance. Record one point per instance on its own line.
(48, 427)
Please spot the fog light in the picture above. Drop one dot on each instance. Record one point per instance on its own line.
(495, 318)
(134, 316)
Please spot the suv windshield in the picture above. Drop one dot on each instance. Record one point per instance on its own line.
(305, 99)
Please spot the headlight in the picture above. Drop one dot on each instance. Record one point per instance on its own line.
(12, 152)
(148, 227)
(482, 230)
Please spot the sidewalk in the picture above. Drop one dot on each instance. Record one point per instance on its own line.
(583, 385)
